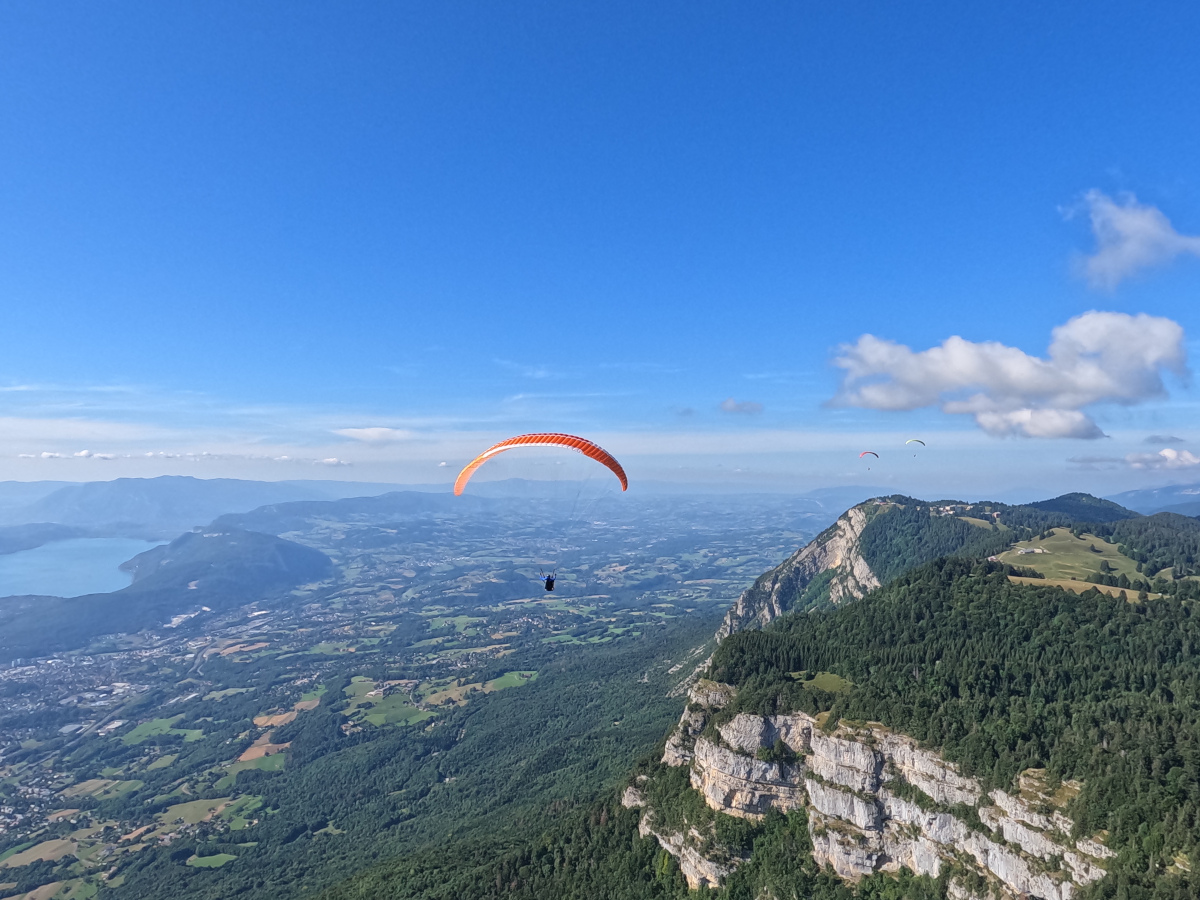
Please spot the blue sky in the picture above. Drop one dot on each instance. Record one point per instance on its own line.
(387, 234)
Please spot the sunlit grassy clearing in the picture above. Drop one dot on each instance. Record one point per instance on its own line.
(157, 727)
(1069, 557)
(211, 862)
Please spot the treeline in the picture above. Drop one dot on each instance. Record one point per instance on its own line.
(1161, 541)
(1003, 677)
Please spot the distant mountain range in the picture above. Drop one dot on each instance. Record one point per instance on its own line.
(157, 508)
(1177, 498)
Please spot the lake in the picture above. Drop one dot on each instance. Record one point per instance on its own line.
(69, 568)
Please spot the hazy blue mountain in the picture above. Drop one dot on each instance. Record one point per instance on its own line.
(280, 518)
(1177, 498)
(14, 538)
(165, 506)
(18, 494)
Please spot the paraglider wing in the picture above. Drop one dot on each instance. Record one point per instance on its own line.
(548, 439)
(868, 453)
(915, 441)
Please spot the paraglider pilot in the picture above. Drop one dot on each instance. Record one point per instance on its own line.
(549, 579)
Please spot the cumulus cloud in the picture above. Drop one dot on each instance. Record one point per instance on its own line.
(1162, 439)
(1097, 357)
(744, 407)
(1163, 459)
(375, 435)
(1129, 236)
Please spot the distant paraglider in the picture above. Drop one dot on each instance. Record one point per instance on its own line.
(868, 453)
(546, 439)
(914, 441)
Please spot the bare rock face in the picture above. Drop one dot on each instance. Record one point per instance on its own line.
(928, 771)
(703, 697)
(696, 868)
(632, 798)
(835, 549)
(857, 786)
(743, 786)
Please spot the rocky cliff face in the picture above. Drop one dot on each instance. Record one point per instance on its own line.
(834, 551)
(875, 802)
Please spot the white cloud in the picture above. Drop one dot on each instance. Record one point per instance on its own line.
(375, 435)
(744, 407)
(1129, 236)
(1163, 459)
(1097, 357)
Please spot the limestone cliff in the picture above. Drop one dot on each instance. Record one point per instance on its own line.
(875, 801)
(833, 554)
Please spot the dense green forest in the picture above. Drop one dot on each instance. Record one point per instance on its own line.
(907, 535)
(599, 856)
(1161, 541)
(1002, 677)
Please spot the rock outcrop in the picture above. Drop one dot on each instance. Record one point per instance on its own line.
(835, 550)
(876, 801)
(699, 870)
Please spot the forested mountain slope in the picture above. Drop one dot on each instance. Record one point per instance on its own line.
(954, 733)
(875, 541)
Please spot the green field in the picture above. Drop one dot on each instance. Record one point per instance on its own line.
(228, 692)
(240, 813)
(392, 709)
(192, 812)
(827, 681)
(162, 762)
(211, 862)
(1070, 558)
(510, 679)
(460, 623)
(273, 763)
(450, 691)
(156, 727)
(313, 695)
(13, 851)
(120, 789)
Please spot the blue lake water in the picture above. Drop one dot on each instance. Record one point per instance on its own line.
(69, 568)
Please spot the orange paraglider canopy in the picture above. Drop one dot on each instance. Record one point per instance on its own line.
(548, 439)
